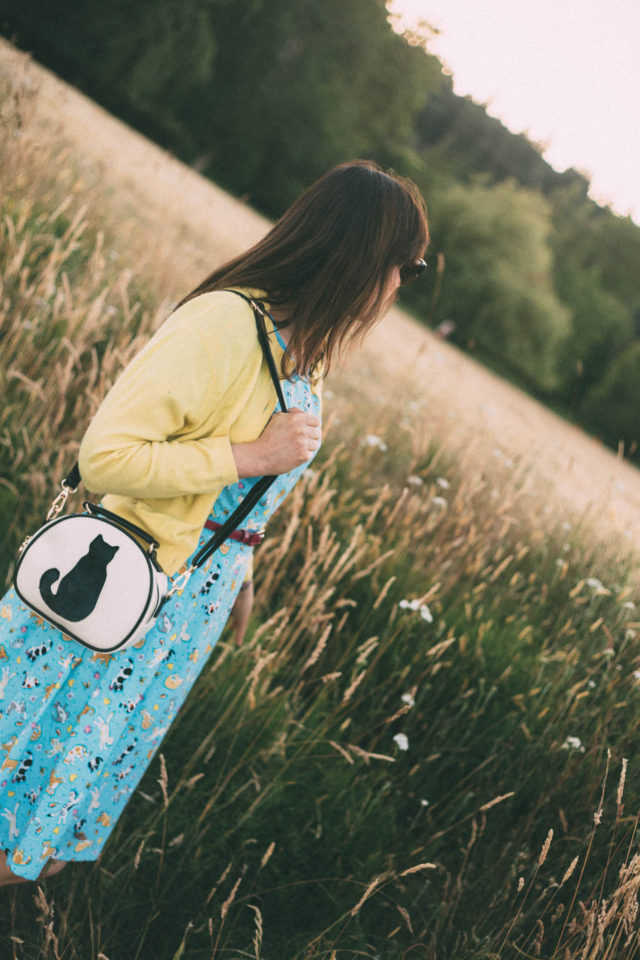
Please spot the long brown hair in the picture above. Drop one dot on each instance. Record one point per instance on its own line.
(328, 257)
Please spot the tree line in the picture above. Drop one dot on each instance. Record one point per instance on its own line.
(264, 95)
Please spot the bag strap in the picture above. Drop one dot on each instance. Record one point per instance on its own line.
(73, 479)
(258, 490)
(260, 312)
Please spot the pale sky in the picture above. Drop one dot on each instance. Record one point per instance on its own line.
(564, 72)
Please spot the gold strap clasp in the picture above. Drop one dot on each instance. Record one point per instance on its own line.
(58, 504)
(180, 582)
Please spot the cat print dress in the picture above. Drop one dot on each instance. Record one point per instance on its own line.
(78, 728)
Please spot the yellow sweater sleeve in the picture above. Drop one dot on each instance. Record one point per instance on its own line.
(138, 443)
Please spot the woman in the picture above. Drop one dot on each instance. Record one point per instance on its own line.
(186, 430)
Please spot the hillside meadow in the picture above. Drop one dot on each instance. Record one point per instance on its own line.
(425, 746)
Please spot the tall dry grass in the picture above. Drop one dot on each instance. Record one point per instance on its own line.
(420, 751)
(71, 313)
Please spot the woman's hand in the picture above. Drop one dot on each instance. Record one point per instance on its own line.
(241, 611)
(287, 441)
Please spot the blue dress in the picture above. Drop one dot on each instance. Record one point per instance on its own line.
(79, 728)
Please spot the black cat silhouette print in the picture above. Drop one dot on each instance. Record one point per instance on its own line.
(78, 593)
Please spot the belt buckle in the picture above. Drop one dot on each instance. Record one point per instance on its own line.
(254, 537)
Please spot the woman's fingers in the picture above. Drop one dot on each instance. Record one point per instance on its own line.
(290, 439)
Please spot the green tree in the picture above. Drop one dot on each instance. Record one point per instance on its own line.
(593, 253)
(302, 85)
(146, 61)
(162, 62)
(594, 239)
(612, 409)
(616, 252)
(601, 326)
(460, 131)
(497, 285)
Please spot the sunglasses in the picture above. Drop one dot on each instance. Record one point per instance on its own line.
(412, 270)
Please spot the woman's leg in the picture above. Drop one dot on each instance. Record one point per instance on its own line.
(8, 877)
(52, 867)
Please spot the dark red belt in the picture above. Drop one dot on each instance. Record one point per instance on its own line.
(251, 537)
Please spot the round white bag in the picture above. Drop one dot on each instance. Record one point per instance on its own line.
(92, 580)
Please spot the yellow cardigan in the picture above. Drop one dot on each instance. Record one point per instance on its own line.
(160, 443)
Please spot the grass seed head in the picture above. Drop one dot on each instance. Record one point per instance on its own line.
(568, 872)
(163, 780)
(545, 848)
(623, 777)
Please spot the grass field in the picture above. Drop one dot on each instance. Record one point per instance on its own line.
(421, 750)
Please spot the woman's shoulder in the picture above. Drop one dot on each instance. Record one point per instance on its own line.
(214, 311)
(217, 318)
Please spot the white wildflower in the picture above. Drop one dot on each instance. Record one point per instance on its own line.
(426, 614)
(415, 605)
(629, 605)
(371, 440)
(573, 743)
(402, 741)
(408, 699)
(636, 674)
(415, 481)
(592, 683)
(439, 502)
(508, 463)
(565, 525)
(442, 482)
(424, 803)
(596, 585)
(497, 452)
(409, 605)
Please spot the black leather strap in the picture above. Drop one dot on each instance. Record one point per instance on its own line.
(233, 521)
(259, 312)
(73, 479)
(100, 511)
